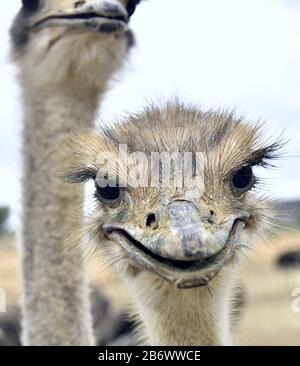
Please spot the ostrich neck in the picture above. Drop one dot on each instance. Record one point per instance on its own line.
(59, 109)
(55, 306)
(191, 317)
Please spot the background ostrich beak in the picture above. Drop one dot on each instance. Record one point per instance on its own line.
(89, 15)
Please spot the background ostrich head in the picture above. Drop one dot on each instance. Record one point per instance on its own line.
(184, 233)
(56, 40)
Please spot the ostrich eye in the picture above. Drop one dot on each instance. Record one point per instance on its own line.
(131, 6)
(107, 193)
(30, 5)
(243, 178)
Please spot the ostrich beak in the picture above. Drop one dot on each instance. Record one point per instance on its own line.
(186, 248)
(104, 16)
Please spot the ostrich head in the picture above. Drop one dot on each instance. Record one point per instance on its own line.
(56, 40)
(187, 228)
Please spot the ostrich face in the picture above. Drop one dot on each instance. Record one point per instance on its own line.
(185, 234)
(174, 236)
(72, 35)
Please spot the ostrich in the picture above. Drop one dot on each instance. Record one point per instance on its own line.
(66, 52)
(176, 247)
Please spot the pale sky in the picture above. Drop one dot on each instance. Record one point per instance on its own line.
(243, 54)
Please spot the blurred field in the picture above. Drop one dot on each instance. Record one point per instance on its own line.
(267, 317)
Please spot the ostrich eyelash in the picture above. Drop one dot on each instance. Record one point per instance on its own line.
(264, 155)
(80, 175)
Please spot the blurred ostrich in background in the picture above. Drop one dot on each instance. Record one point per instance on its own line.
(66, 52)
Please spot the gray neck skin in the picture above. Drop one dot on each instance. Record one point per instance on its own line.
(56, 309)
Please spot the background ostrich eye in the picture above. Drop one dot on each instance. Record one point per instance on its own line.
(107, 193)
(131, 6)
(243, 179)
(30, 5)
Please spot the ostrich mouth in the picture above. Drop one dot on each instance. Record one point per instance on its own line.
(185, 274)
(85, 20)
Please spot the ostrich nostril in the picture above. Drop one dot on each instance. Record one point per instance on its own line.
(210, 217)
(151, 221)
